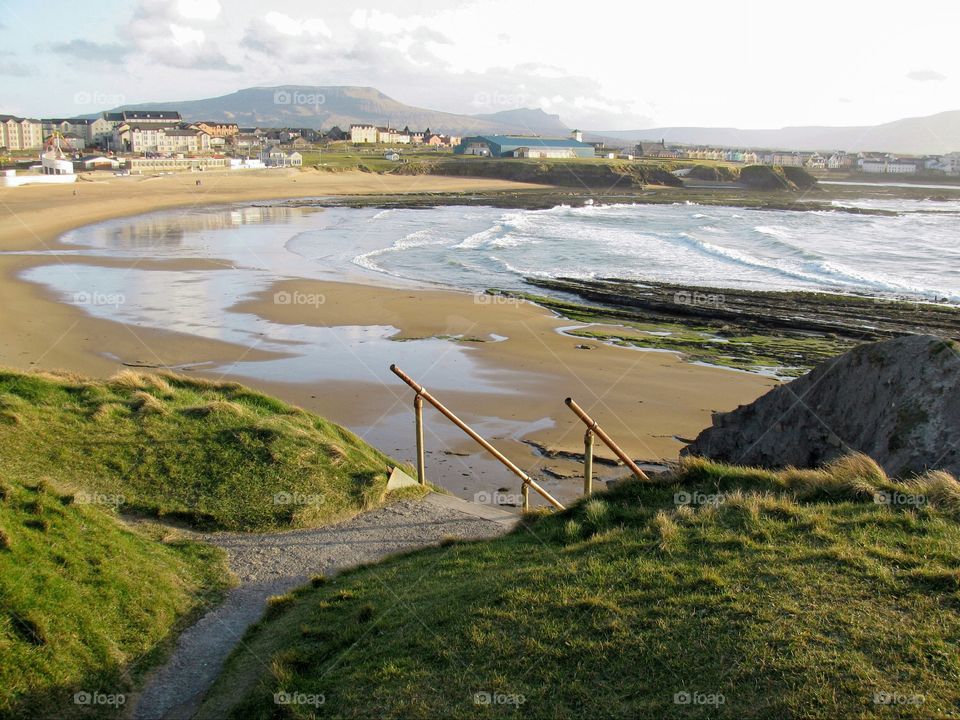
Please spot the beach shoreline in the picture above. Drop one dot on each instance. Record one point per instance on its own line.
(648, 401)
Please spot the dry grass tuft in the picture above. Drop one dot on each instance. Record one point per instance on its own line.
(197, 383)
(131, 380)
(224, 407)
(146, 404)
(105, 410)
(62, 377)
(335, 452)
(940, 488)
(4, 540)
(665, 530)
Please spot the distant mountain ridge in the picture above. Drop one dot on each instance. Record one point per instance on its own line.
(933, 134)
(323, 106)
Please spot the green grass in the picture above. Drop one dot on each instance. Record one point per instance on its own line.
(790, 594)
(215, 454)
(86, 604)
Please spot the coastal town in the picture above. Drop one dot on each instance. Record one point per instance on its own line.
(162, 140)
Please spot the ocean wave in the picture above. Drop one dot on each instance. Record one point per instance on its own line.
(478, 239)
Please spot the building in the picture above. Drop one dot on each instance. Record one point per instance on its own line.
(52, 160)
(217, 130)
(137, 138)
(172, 141)
(97, 162)
(504, 146)
(390, 136)
(656, 150)
(65, 126)
(890, 164)
(841, 161)
(363, 134)
(75, 142)
(139, 165)
(17, 133)
(275, 157)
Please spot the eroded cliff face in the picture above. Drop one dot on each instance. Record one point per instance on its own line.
(898, 401)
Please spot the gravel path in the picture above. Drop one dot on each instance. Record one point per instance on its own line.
(274, 563)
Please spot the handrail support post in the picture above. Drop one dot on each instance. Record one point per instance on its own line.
(421, 460)
(588, 462)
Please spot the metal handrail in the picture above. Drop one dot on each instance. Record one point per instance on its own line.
(594, 429)
(422, 394)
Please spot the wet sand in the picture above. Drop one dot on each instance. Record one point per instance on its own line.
(644, 399)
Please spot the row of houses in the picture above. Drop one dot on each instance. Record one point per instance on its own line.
(371, 134)
(840, 160)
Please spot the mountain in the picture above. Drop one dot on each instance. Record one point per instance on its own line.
(533, 121)
(933, 134)
(325, 106)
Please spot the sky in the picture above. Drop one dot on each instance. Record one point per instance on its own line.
(601, 65)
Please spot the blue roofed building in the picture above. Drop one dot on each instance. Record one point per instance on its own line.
(523, 146)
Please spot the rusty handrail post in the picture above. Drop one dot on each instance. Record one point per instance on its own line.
(588, 462)
(525, 494)
(421, 460)
(527, 480)
(607, 440)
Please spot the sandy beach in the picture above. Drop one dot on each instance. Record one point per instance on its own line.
(647, 400)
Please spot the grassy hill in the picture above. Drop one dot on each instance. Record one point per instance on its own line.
(87, 606)
(716, 592)
(582, 173)
(214, 454)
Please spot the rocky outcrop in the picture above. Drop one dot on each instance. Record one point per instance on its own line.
(898, 401)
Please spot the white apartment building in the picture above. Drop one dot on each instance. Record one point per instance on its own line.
(18, 133)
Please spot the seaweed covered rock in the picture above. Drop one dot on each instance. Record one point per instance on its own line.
(897, 401)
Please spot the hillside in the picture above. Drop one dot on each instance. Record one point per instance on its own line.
(214, 454)
(325, 106)
(87, 605)
(933, 134)
(532, 121)
(896, 401)
(715, 592)
(583, 173)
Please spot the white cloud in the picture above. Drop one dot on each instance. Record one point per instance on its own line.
(199, 9)
(186, 36)
(287, 25)
(926, 76)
